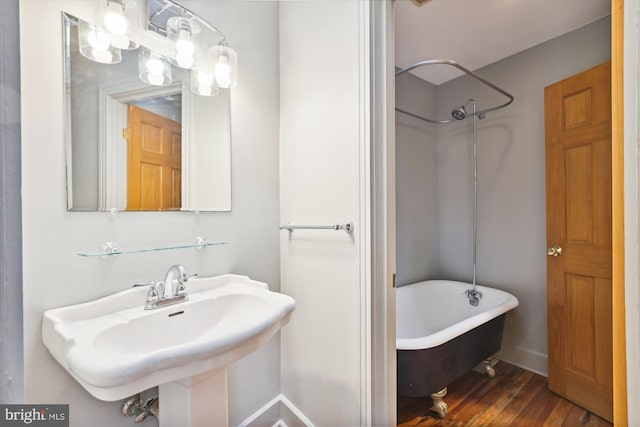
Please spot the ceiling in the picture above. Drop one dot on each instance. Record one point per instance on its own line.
(476, 33)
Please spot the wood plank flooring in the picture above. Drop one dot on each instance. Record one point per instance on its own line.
(514, 397)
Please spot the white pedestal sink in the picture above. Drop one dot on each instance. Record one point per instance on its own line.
(114, 348)
(199, 401)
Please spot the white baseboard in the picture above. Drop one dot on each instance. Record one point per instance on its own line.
(265, 415)
(524, 358)
(286, 414)
(280, 408)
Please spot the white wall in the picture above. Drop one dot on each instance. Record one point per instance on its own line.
(416, 182)
(324, 164)
(55, 276)
(511, 182)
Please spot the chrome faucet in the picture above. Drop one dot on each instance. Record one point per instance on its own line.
(474, 296)
(170, 291)
(175, 280)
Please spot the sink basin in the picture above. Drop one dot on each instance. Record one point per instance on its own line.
(115, 348)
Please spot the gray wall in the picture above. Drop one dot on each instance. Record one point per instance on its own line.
(11, 357)
(511, 183)
(55, 276)
(84, 99)
(417, 246)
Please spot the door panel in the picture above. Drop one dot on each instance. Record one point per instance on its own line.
(154, 162)
(578, 155)
(580, 319)
(579, 225)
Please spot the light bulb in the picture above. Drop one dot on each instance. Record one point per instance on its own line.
(207, 90)
(94, 44)
(205, 79)
(103, 56)
(184, 61)
(223, 71)
(98, 40)
(184, 35)
(155, 66)
(152, 68)
(155, 79)
(114, 19)
(184, 45)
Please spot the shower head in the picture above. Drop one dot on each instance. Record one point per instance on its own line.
(459, 113)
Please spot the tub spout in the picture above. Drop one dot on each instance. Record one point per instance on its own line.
(474, 297)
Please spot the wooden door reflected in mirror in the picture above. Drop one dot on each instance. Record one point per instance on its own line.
(155, 161)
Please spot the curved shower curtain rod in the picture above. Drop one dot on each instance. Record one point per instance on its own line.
(480, 114)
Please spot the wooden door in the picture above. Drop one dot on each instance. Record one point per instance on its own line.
(578, 173)
(154, 162)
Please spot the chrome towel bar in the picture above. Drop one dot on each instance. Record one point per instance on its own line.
(346, 226)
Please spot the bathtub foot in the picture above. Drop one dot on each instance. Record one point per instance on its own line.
(439, 405)
(488, 368)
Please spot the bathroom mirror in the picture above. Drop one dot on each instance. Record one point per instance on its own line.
(107, 110)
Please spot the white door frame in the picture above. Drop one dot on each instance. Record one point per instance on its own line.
(383, 241)
(631, 203)
(112, 147)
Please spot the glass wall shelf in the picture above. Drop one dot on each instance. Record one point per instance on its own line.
(111, 248)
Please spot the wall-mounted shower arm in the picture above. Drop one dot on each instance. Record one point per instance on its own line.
(480, 113)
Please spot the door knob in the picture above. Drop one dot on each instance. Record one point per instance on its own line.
(554, 250)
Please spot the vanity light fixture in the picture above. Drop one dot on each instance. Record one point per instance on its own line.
(94, 44)
(203, 81)
(113, 17)
(226, 68)
(184, 34)
(152, 68)
(197, 45)
(119, 18)
(192, 44)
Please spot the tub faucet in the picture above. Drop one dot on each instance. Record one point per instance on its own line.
(474, 296)
(170, 291)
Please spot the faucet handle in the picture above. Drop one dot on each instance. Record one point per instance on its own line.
(155, 294)
(138, 285)
(180, 286)
(180, 289)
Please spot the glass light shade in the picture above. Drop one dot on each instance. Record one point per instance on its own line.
(95, 45)
(203, 82)
(128, 39)
(226, 66)
(153, 69)
(203, 78)
(184, 34)
(113, 17)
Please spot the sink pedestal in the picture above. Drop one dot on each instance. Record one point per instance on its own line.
(198, 401)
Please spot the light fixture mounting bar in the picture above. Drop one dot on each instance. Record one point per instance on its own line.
(159, 12)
